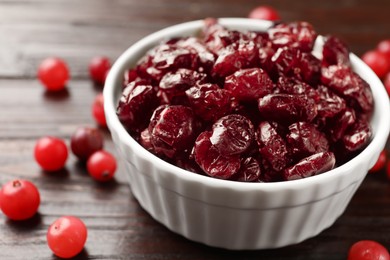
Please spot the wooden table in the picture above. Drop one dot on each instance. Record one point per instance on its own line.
(119, 228)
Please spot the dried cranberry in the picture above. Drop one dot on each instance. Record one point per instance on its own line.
(250, 170)
(296, 86)
(313, 165)
(174, 84)
(211, 161)
(350, 85)
(287, 108)
(249, 84)
(272, 147)
(172, 129)
(209, 101)
(340, 123)
(232, 134)
(329, 104)
(265, 60)
(357, 136)
(136, 106)
(304, 139)
(299, 35)
(335, 52)
(145, 140)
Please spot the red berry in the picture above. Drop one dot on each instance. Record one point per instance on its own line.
(66, 236)
(386, 82)
(85, 141)
(368, 250)
(51, 153)
(98, 110)
(380, 163)
(377, 61)
(98, 68)
(264, 12)
(53, 73)
(101, 166)
(384, 47)
(19, 199)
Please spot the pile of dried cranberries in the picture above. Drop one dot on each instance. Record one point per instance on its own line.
(248, 106)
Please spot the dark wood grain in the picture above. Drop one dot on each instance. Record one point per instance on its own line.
(119, 228)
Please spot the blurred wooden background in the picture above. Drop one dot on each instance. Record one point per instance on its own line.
(31, 30)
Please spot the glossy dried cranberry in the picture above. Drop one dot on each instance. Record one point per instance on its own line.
(287, 108)
(136, 106)
(209, 102)
(172, 129)
(234, 58)
(340, 123)
(211, 161)
(265, 60)
(296, 86)
(334, 52)
(174, 84)
(305, 139)
(357, 136)
(350, 85)
(232, 134)
(272, 147)
(217, 38)
(329, 103)
(249, 84)
(250, 170)
(146, 140)
(299, 35)
(310, 166)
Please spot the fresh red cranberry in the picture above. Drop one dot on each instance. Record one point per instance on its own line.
(98, 110)
(208, 101)
(299, 35)
(287, 108)
(172, 129)
(264, 12)
(249, 84)
(272, 146)
(98, 68)
(378, 62)
(232, 134)
(53, 73)
(380, 163)
(312, 165)
(66, 237)
(384, 47)
(211, 161)
(19, 199)
(85, 141)
(136, 106)
(368, 249)
(101, 166)
(335, 52)
(51, 153)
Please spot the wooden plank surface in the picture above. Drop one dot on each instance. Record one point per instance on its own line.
(31, 30)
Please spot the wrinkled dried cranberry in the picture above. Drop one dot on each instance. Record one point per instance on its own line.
(304, 139)
(340, 123)
(347, 83)
(287, 108)
(232, 134)
(357, 136)
(334, 52)
(136, 106)
(250, 170)
(174, 84)
(329, 103)
(249, 84)
(271, 146)
(208, 101)
(299, 35)
(145, 140)
(172, 129)
(313, 165)
(211, 161)
(295, 86)
(265, 60)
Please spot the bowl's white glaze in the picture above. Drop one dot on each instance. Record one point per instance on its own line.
(229, 214)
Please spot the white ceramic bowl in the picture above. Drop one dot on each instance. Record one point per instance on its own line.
(238, 215)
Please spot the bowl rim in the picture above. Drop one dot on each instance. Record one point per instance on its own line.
(379, 138)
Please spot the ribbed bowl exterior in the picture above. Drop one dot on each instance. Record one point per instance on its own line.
(236, 215)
